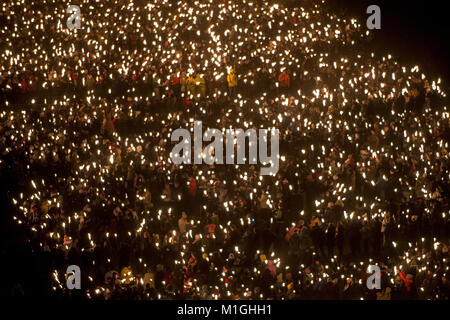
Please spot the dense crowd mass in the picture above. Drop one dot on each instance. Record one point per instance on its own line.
(85, 139)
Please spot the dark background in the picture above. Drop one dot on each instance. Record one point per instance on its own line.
(414, 32)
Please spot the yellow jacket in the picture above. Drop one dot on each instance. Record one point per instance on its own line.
(385, 294)
(200, 86)
(190, 85)
(126, 275)
(231, 78)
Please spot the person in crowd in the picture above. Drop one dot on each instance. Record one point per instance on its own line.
(232, 82)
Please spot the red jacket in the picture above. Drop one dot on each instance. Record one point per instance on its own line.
(407, 281)
(192, 187)
(285, 80)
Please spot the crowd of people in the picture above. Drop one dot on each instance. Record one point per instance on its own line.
(85, 141)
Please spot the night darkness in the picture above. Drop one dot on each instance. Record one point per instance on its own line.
(415, 33)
